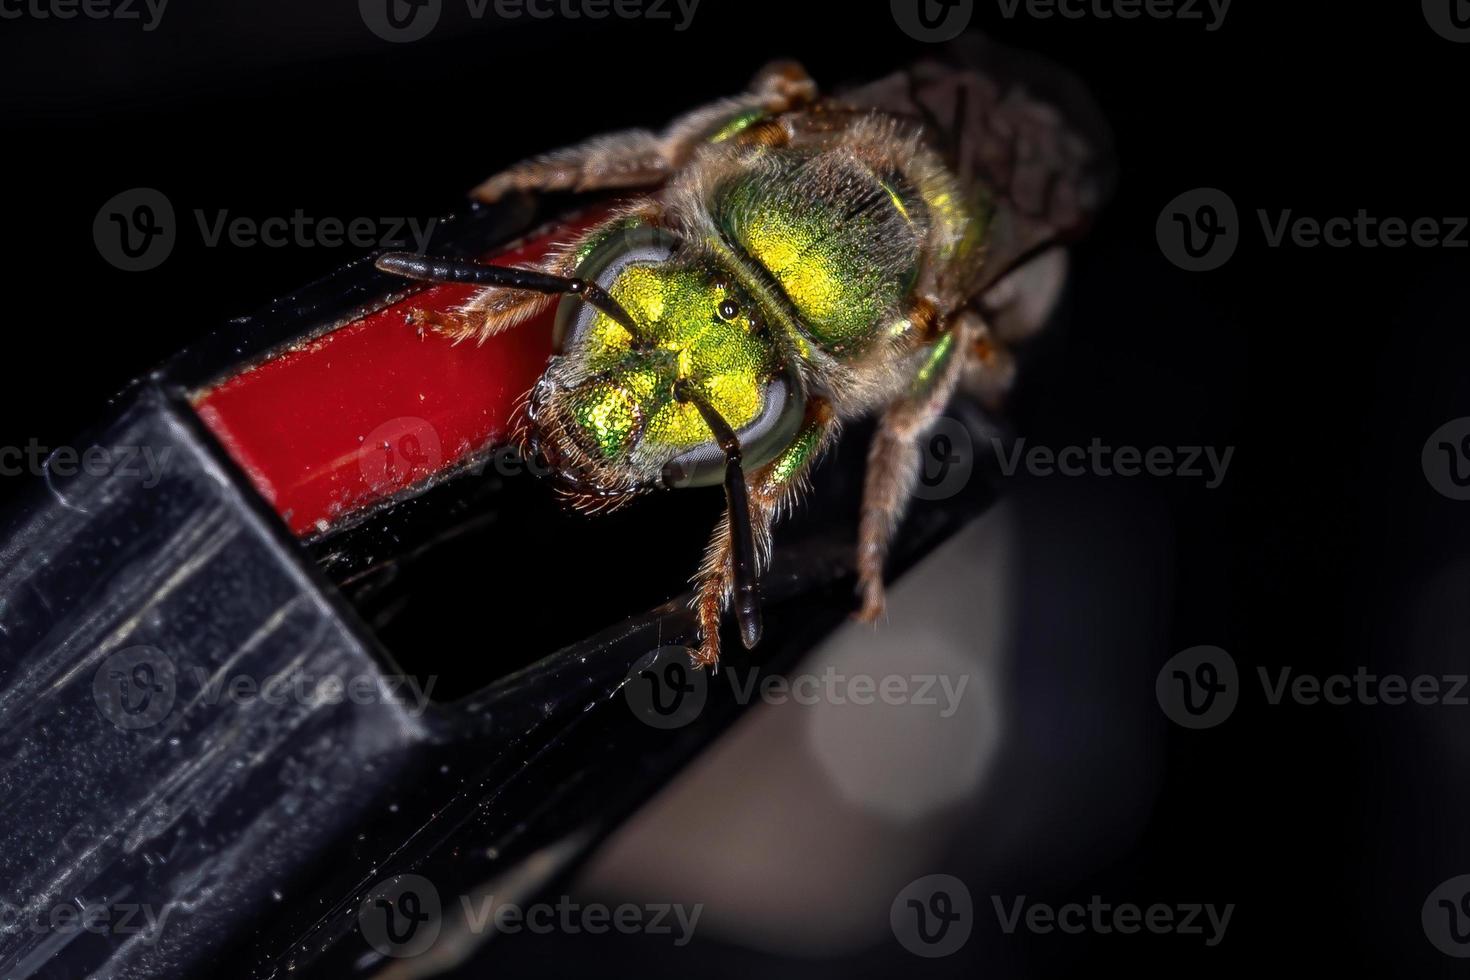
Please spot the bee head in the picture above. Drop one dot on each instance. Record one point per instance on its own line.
(606, 408)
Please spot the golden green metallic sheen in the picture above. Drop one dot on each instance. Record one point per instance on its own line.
(795, 456)
(632, 399)
(738, 125)
(821, 257)
(938, 356)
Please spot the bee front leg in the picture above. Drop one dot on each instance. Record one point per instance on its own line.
(773, 490)
(498, 308)
(486, 314)
(893, 459)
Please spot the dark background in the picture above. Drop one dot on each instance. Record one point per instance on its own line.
(1326, 368)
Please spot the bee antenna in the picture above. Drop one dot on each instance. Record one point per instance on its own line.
(746, 573)
(425, 268)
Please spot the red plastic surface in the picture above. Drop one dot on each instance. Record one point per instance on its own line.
(376, 408)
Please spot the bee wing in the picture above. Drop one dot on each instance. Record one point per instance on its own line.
(1021, 129)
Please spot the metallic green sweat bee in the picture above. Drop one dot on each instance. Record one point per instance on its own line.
(803, 261)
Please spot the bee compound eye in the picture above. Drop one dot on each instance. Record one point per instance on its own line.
(641, 245)
(761, 440)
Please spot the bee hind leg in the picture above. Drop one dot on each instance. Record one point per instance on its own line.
(894, 462)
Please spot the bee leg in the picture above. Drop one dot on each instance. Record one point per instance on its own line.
(642, 158)
(488, 313)
(715, 578)
(500, 307)
(893, 464)
(633, 158)
(773, 490)
(989, 366)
